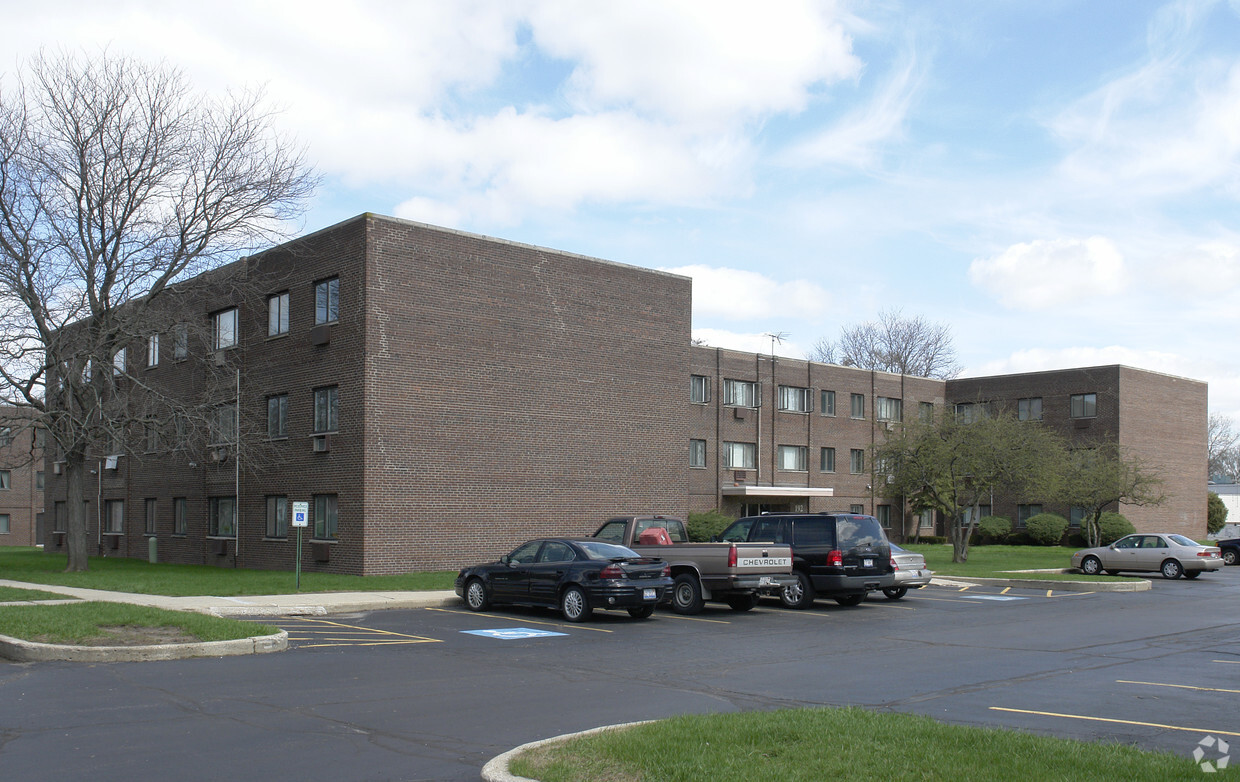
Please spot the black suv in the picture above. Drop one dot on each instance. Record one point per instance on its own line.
(842, 556)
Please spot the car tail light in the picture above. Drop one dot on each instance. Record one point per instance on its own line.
(835, 559)
(732, 556)
(894, 566)
(611, 571)
(667, 570)
(1207, 553)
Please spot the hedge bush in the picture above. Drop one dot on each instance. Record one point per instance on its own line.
(1112, 526)
(1046, 529)
(703, 526)
(994, 529)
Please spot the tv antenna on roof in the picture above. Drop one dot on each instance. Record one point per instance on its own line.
(776, 336)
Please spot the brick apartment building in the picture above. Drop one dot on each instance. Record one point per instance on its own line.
(21, 480)
(436, 397)
(770, 433)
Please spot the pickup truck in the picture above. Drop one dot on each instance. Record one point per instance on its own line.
(1230, 550)
(734, 573)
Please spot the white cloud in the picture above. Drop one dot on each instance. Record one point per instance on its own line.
(737, 294)
(1051, 273)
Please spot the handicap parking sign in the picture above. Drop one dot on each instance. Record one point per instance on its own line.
(513, 633)
(301, 514)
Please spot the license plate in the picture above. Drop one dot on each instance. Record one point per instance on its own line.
(867, 563)
(648, 594)
(766, 581)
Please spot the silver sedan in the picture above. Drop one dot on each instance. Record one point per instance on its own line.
(911, 572)
(1172, 555)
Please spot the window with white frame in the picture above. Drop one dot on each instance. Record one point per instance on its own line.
(1029, 409)
(828, 403)
(277, 517)
(1084, 405)
(740, 393)
(326, 409)
(697, 453)
(327, 301)
(888, 409)
(857, 405)
(114, 516)
(6, 480)
(325, 517)
(222, 517)
(152, 351)
(925, 519)
(118, 362)
(856, 461)
(740, 456)
(4, 524)
(277, 314)
(794, 399)
(224, 329)
(793, 458)
(699, 389)
(826, 460)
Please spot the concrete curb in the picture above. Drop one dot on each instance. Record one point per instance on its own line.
(496, 769)
(1035, 583)
(21, 651)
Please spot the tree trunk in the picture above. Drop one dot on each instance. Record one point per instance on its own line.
(77, 540)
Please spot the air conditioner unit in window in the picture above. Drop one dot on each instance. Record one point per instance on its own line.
(217, 358)
(322, 443)
(219, 454)
(57, 467)
(320, 335)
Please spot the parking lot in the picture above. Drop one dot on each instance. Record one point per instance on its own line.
(434, 693)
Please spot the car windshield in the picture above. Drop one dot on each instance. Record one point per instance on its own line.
(600, 550)
(1183, 541)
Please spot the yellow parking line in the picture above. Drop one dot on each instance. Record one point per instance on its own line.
(1005, 590)
(522, 619)
(1119, 722)
(967, 587)
(1179, 686)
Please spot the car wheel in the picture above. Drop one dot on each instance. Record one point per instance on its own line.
(641, 612)
(575, 605)
(895, 593)
(1191, 574)
(1172, 569)
(1091, 566)
(800, 594)
(1229, 557)
(850, 600)
(476, 597)
(743, 602)
(687, 594)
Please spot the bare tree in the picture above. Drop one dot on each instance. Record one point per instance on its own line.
(1223, 442)
(893, 343)
(117, 181)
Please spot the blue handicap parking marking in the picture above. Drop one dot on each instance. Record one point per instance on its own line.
(994, 597)
(513, 633)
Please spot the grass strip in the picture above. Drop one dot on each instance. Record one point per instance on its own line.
(14, 594)
(83, 622)
(137, 575)
(848, 743)
(1001, 561)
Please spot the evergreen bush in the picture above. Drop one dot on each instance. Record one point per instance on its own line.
(1046, 529)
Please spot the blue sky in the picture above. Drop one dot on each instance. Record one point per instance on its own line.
(1057, 181)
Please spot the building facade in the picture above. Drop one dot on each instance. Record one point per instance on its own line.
(21, 480)
(436, 397)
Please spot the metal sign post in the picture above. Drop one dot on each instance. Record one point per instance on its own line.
(301, 515)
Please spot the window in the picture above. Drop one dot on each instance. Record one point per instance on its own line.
(1029, 409)
(327, 301)
(1076, 516)
(150, 517)
(1084, 405)
(40, 437)
(889, 409)
(222, 517)
(856, 461)
(6, 480)
(4, 523)
(178, 515)
(326, 409)
(325, 516)
(925, 519)
(740, 393)
(883, 514)
(857, 409)
(226, 424)
(180, 342)
(828, 403)
(793, 458)
(152, 351)
(699, 389)
(150, 436)
(794, 399)
(1026, 512)
(118, 362)
(856, 509)
(826, 460)
(697, 453)
(277, 517)
(969, 412)
(277, 416)
(38, 480)
(554, 551)
(114, 516)
(925, 412)
(6, 436)
(224, 329)
(740, 455)
(277, 314)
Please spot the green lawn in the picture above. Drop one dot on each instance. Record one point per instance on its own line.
(851, 743)
(82, 622)
(13, 595)
(1001, 561)
(135, 575)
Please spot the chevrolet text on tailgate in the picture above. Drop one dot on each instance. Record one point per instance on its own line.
(733, 573)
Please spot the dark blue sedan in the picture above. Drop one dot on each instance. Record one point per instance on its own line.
(575, 576)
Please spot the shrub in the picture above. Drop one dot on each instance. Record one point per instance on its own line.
(1112, 526)
(934, 540)
(703, 526)
(1216, 513)
(1046, 529)
(994, 529)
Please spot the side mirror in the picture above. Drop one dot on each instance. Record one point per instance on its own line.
(504, 560)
